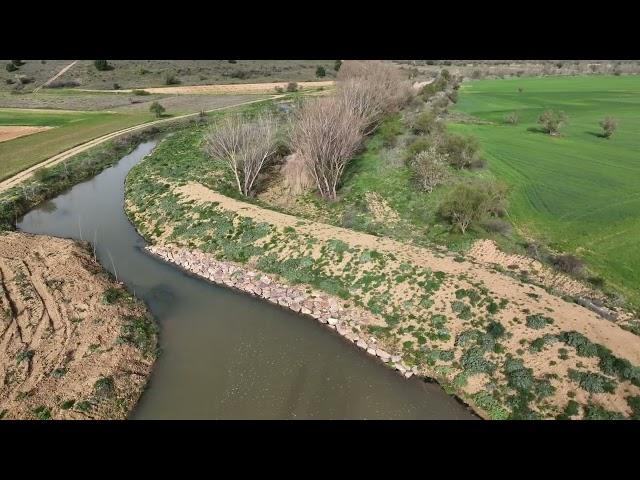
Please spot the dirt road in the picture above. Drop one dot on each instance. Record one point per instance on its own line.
(223, 89)
(59, 74)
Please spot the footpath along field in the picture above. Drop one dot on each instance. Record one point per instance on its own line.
(579, 192)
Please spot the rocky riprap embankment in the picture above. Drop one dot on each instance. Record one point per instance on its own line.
(348, 322)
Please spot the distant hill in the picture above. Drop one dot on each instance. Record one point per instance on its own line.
(155, 73)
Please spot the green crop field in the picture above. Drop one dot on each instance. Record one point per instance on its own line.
(71, 129)
(578, 192)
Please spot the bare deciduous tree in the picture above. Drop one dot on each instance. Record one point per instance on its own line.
(326, 134)
(372, 89)
(245, 145)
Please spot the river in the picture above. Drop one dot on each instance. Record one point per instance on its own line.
(226, 355)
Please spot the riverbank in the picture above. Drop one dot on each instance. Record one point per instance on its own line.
(74, 343)
(348, 321)
(508, 348)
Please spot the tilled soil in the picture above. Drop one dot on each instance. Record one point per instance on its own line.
(73, 343)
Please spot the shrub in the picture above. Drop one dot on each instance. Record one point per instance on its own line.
(538, 321)
(140, 92)
(11, 67)
(495, 329)
(476, 74)
(592, 382)
(473, 361)
(518, 376)
(463, 150)
(569, 264)
(389, 132)
(337, 65)
(430, 168)
(157, 109)
(116, 86)
(24, 80)
(279, 89)
(552, 121)
(320, 72)
(171, 79)
(102, 65)
(463, 205)
(513, 118)
(17, 63)
(139, 332)
(609, 126)
(418, 145)
(472, 201)
(232, 61)
(62, 84)
(453, 96)
(104, 387)
(292, 87)
(426, 123)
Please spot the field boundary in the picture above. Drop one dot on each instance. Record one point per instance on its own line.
(26, 174)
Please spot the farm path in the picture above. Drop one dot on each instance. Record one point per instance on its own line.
(59, 74)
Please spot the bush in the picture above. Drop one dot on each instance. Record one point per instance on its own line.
(476, 74)
(24, 80)
(418, 145)
(472, 201)
(140, 92)
(17, 63)
(453, 96)
(426, 123)
(320, 72)
(463, 150)
(569, 264)
(512, 118)
(232, 61)
(63, 84)
(102, 65)
(279, 89)
(337, 65)
(463, 205)
(609, 125)
(11, 67)
(116, 86)
(292, 87)
(430, 169)
(552, 121)
(389, 132)
(157, 109)
(171, 79)
(538, 321)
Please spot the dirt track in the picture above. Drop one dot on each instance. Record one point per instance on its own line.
(224, 89)
(57, 75)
